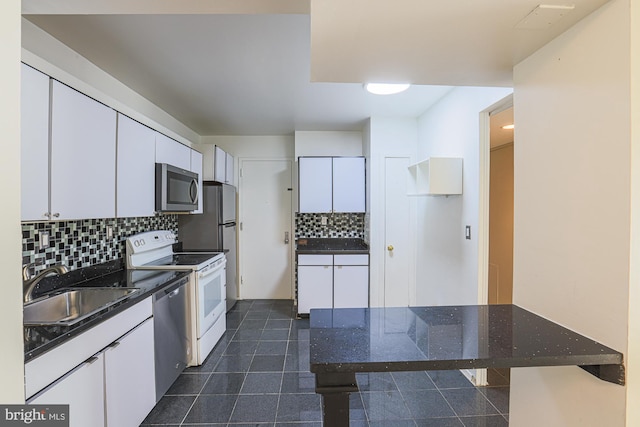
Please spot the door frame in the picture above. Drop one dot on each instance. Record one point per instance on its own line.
(483, 208)
(292, 239)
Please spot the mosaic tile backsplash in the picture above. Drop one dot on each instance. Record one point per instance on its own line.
(309, 225)
(83, 243)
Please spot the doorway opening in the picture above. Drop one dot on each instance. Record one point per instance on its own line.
(500, 276)
(495, 231)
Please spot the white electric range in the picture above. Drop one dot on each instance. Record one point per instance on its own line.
(206, 292)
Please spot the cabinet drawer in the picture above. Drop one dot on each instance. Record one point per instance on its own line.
(361, 259)
(315, 259)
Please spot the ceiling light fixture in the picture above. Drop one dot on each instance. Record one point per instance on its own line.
(508, 127)
(386, 88)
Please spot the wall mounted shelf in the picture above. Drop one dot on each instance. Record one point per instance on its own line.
(435, 176)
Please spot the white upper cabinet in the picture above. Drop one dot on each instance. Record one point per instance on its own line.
(83, 156)
(136, 169)
(436, 176)
(229, 177)
(315, 184)
(220, 165)
(34, 145)
(196, 166)
(172, 152)
(348, 184)
(331, 184)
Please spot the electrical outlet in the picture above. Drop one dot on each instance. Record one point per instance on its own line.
(44, 240)
(109, 232)
(323, 220)
(467, 232)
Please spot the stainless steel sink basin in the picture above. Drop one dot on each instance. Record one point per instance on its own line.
(72, 305)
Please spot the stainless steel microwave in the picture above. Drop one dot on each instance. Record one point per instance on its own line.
(176, 189)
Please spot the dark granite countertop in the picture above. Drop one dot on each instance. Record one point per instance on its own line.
(42, 338)
(331, 246)
(455, 337)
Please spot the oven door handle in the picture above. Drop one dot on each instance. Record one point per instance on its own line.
(209, 272)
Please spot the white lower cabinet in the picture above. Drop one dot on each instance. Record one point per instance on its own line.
(350, 286)
(114, 386)
(129, 376)
(82, 389)
(315, 287)
(332, 281)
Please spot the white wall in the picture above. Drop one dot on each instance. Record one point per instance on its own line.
(384, 137)
(633, 351)
(311, 143)
(250, 147)
(47, 54)
(572, 211)
(12, 354)
(447, 263)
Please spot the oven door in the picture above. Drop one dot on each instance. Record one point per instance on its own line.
(211, 285)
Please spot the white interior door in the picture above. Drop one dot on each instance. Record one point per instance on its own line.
(265, 217)
(398, 243)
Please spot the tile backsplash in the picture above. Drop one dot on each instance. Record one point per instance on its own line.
(83, 243)
(309, 225)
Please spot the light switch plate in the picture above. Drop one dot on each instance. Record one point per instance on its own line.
(323, 220)
(44, 240)
(109, 232)
(467, 232)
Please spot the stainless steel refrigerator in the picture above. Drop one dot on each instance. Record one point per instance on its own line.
(214, 230)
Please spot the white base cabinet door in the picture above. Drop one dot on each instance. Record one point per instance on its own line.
(83, 390)
(315, 287)
(130, 377)
(350, 286)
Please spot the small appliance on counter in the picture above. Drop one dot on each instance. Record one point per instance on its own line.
(206, 294)
(214, 229)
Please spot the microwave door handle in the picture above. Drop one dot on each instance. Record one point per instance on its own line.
(193, 191)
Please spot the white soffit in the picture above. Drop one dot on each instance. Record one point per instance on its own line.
(460, 43)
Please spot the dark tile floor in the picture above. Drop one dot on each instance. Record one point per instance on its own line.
(258, 375)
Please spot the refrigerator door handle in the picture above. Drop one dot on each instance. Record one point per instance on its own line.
(286, 237)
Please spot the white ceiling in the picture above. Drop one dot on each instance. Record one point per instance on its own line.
(245, 67)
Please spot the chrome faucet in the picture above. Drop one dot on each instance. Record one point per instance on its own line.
(29, 283)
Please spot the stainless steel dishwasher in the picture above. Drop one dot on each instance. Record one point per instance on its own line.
(171, 334)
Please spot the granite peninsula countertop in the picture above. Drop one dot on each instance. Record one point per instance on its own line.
(346, 341)
(331, 246)
(455, 337)
(42, 338)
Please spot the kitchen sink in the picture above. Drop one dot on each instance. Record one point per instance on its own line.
(72, 305)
